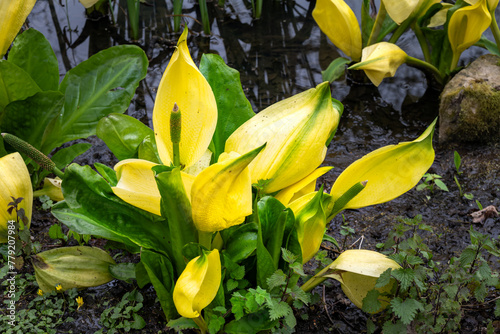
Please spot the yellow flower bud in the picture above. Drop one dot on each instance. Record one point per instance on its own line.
(336, 19)
(14, 182)
(380, 61)
(198, 284)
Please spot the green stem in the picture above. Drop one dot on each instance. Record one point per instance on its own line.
(400, 30)
(425, 66)
(494, 29)
(204, 16)
(377, 25)
(454, 60)
(423, 42)
(205, 239)
(201, 323)
(177, 14)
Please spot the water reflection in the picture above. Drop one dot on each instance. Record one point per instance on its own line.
(277, 56)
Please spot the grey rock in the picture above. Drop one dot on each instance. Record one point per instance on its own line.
(469, 110)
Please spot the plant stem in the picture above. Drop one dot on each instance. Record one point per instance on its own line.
(201, 323)
(425, 66)
(494, 29)
(205, 239)
(204, 16)
(377, 25)
(176, 155)
(454, 61)
(423, 42)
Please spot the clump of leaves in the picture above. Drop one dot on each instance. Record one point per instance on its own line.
(431, 181)
(124, 316)
(430, 295)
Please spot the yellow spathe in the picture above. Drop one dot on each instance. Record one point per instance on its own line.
(13, 13)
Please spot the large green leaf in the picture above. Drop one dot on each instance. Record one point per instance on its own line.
(32, 52)
(123, 134)
(161, 274)
(103, 84)
(241, 242)
(15, 84)
(232, 105)
(27, 119)
(87, 193)
(84, 225)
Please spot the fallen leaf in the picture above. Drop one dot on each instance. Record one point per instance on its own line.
(481, 215)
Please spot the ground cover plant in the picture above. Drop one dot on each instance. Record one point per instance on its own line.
(248, 273)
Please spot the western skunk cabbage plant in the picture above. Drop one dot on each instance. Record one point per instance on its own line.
(220, 202)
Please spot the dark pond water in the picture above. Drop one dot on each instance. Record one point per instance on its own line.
(278, 56)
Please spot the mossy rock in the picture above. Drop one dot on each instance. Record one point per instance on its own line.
(470, 104)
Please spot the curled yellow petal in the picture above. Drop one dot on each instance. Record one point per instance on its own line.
(14, 181)
(390, 171)
(439, 18)
(467, 25)
(357, 270)
(13, 13)
(380, 61)
(221, 195)
(88, 3)
(303, 187)
(336, 19)
(51, 188)
(198, 284)
(400, 10)
(137, 186)
(184, 85)
(296, 131)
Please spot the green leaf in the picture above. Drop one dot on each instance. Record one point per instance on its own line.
(232, 105)
(107, 173)
(161, 274)
(55, 232)
(28, 118)
(32, 52)
(123, 271)
(103, 84)
(123, 134)
(85, 225)
(404, 276)
(65, 156)
(457, 160)
(371, 304)
(397, 328)
(489, 45)
(89, 194)
(384, 278)
(468, 255)
(148, 150)
(441, 185)
(273, 217)
(335, 70)
(406, 310)
(241, 242)
(138, 323)
(279, 309)
(176, 208)
(182, 323)
(15, 84)
(277, 279)
(141, 275)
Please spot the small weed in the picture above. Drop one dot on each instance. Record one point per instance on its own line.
(431, 180)
(123, 317)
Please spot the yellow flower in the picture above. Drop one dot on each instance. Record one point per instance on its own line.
(88, 3)
(492, 4)
(51, 188)
(440, 17)
(296, 131)
(184, 85)
(400, 10)
(390, 171)
(380, 61)
(336, 19)
(467, 25)
(221, 195)
(39, 292)
(14, 182)
(58, 287)
(79, 301)
(358, 270)
(137, 186)
(13, 14)
(198, 284)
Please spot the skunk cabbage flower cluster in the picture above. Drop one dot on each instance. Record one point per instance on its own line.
(379, 60)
